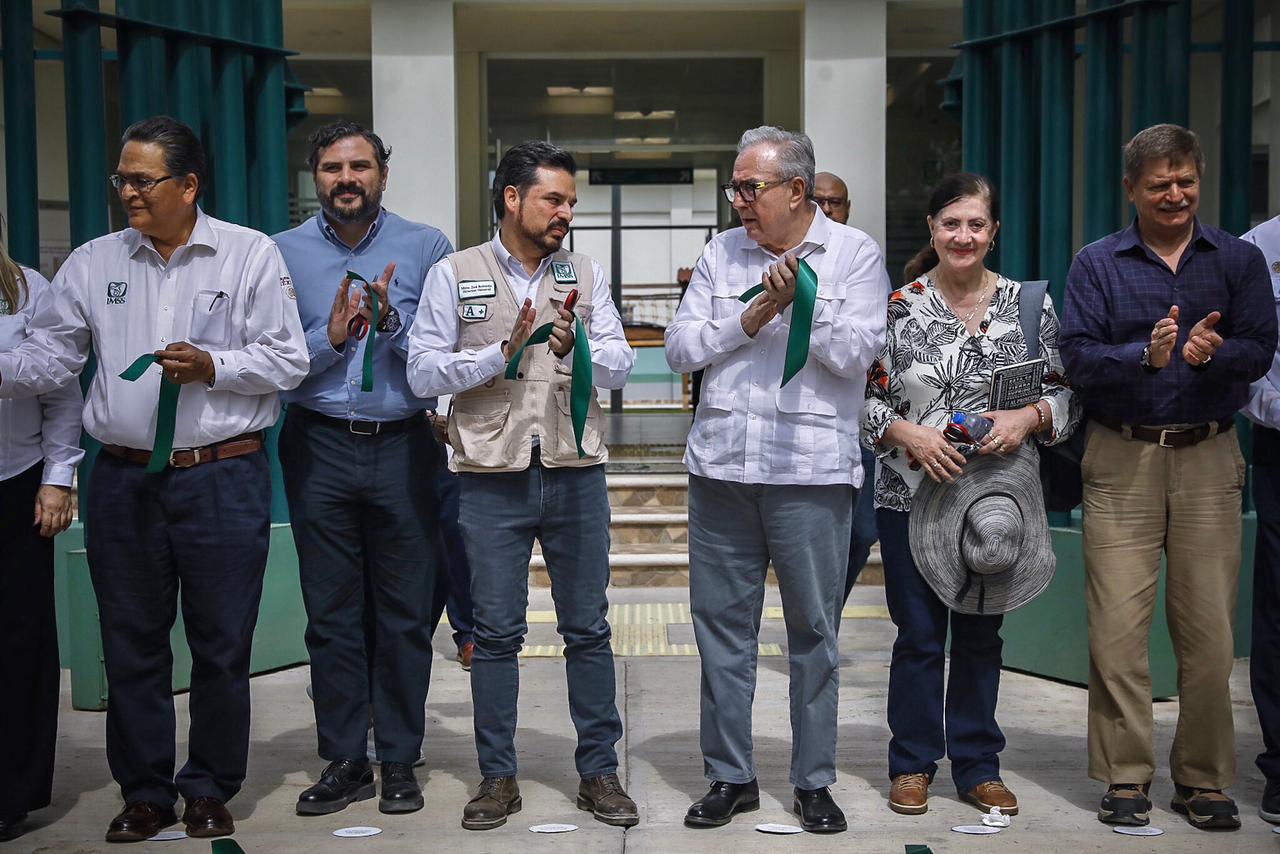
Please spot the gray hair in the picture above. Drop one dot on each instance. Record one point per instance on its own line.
(1162, 142)
(795, 152)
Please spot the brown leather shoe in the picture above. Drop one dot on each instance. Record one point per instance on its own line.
(205, 817)
(990, 794)
(140, 820)
(604, 798)
(909, 794)
(497, 798)
(465, 652)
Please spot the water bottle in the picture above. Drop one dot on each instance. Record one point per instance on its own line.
(968, 428)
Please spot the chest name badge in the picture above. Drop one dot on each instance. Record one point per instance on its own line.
(473, 311)
(476, 288)
(563, 274)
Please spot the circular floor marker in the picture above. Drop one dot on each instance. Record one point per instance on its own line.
(1139, 831)
(354, 832)
(976, 829)
(778, 828)
(553, 828)
(168, 836)
(1275, 830)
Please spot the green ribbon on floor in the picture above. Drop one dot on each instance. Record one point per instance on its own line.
(581, 387)
(919, 849)
(166, 411)
(366, 375)
(226, 846)
(801, 319)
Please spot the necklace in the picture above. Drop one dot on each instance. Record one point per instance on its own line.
(982, 299)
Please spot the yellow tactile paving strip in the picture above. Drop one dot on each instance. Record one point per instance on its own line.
(640, 629)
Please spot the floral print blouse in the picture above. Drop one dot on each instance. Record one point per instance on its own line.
(931, 368)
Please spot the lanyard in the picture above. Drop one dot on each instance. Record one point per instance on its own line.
(358, 326)
(166, 410)
(581, 385)
(801, 319)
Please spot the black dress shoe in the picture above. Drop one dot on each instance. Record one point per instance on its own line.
(207, 817)
(818, 813)
(1269, 810)
(342, 783)
(718, 806)
(400, 789)
(140, 820)
(12, 828)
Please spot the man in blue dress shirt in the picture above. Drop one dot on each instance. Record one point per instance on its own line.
(359, 463)
(1164, 326)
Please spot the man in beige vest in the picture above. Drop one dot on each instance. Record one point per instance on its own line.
(525, 471)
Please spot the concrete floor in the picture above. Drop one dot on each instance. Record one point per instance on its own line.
(1044, 764)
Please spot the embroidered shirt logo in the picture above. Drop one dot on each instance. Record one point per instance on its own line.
(116, 292)
(286, 284)
(5, 308)
(562, 273)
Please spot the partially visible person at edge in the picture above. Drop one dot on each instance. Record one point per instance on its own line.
(1165, 324)
(1264, 656)
(832, 195)
(39, 452)
(772, 469)
(209, 305)
(452, 548)
(359, 463)
(523, 473)
(948, 329)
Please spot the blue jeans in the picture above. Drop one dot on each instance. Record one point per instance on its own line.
(567, 510)
(863, 535)
(453, 552)
(923, 726)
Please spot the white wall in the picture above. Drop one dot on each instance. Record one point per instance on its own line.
(414, 108)
(844, 100)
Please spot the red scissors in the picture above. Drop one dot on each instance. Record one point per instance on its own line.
(571, 300)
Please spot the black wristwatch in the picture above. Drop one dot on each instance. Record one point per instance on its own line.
(1146, 360)
(390, 323)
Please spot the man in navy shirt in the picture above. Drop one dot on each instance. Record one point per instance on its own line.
(359, 462)
(1165, 325)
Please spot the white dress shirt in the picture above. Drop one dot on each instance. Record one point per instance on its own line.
(226, 291)
(748, 429)
(436, 367)
(1264, 394)
(45, 427)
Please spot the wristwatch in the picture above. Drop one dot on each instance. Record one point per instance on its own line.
(1146, 360)
(390, 323)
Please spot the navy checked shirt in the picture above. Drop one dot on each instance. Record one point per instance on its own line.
(1116, 291)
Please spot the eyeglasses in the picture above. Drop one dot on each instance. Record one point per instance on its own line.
(749, 190)
(830, 202)
(140, 185)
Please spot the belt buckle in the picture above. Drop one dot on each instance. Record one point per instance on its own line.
(1163, 434)
(195, 461)
(377, 426)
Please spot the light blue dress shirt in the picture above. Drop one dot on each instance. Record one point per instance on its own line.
(318, 260)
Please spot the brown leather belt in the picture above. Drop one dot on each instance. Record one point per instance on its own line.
(185, 458)
(1183, 438)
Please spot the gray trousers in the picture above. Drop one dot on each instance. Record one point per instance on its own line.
(735, 530)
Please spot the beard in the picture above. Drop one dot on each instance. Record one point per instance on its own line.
(543, 236)
(364, 208)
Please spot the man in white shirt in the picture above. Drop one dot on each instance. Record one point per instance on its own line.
(1264, 657)
(526, 432)
(772, 467)
(180, 496)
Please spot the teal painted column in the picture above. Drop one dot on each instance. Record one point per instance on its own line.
(141, 76)
(978, 105)
(1057, 113)
(229, 163)
(1177, 63)
(1150, 89)
(1104, 65)
(21, 191)
(185, 102)
(1016, 256)
(1237, 114)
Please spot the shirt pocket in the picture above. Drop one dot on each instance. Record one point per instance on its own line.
(211, 320)
(806, 429)
(725, 305)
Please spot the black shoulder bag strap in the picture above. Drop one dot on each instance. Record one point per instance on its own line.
(1030, 308)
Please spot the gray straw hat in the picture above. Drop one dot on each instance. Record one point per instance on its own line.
(982, 543)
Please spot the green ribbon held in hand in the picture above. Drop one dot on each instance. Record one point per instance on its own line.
(366, 375)
(581, 387)
(166, 412)
(801, 319)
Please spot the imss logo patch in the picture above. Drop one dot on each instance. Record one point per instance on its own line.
(116, 292)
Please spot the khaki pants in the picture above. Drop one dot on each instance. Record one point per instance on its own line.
(1139, 499)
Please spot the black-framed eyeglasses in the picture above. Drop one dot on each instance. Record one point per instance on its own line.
(749, 190)
(140, 185)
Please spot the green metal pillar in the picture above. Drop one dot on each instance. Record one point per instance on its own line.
(228, 150)
(1150, 89)
(1237, 114)
(1104, 64)
(1017, 182)
(141, 76)
(21, 191)
(184, 59)
(1177, 63)
(978, 102)
(1057, 113)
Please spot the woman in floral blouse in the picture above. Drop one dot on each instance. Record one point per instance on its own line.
(947, 330)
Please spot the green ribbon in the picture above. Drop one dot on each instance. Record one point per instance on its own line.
(581, 387)
(226, 846)
(801, 319)
(366, 375)
(166, 411)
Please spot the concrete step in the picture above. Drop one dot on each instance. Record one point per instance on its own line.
(628, 491)
(650, 525)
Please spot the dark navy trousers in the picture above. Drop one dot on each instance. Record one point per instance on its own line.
(453, 553)
(863, 533)
(1264, 657)
(198, 536)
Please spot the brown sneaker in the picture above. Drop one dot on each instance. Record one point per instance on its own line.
(910, 794)
(990, 794)
(497, 798)
(1207, 809)
(604, 798)
(465, 652)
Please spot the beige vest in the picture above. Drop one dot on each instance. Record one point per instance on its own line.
(491, 427)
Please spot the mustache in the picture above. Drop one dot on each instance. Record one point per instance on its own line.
(559, 223)
(347, 188)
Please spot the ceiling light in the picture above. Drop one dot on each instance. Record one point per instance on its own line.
(647, 140)
(571, 91)
(640, 115)
(326, 92)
